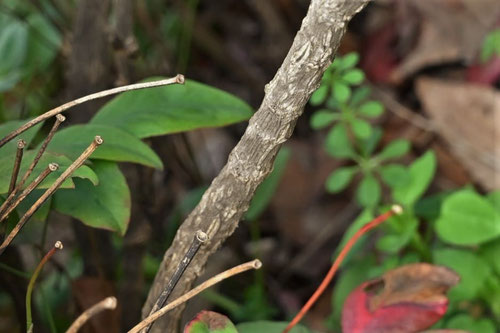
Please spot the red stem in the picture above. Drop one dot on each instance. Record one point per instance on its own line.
(331, 273)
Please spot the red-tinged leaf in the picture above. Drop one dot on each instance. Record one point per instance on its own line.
(210, 322)
(408, 299)
(379, 57)
(487, 74)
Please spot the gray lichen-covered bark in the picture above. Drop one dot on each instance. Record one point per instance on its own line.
(229, 195)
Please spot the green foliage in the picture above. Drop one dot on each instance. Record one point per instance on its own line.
(268, 327)
(491, 45)
(172, 109)
(470, 324)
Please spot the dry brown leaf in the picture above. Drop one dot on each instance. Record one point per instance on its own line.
(468, 118)
(450, 31)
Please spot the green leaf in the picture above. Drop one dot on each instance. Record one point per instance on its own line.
(489, 252)
(264, 326)
(467, 323)
(394, 175)
(369, 144)
(361, 128)
(368, 192)
(362, 219)
(322, 118)
(467, 219)
(394, 241)
(395, 149)
(338, 143)
(118, 145)
(265, 191)
(42, 213)
(11, 147)
(7, 162)
(341, 91)
(354, 76)
(422, 172)
(472, 269)
(13, 48)
(371, 109)
(360, 94)
(210, 322)
(319, 95)
(349, 60)
(43, 43)
(494, 199)
(340, 179)
(491, 45)
(105, 206)
(172, 109)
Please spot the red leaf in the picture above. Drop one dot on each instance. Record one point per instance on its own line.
(407, 299)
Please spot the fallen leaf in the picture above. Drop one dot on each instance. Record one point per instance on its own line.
(487, 74)
(407, 299)
(467, 116)
(450, 31)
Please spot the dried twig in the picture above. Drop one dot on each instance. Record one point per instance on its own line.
(109, 303)
(29, 322)
(199, 238)
(336, 264)
(75, 165)
(5, 211)
(254, 264)
(17, 164)
(177, 79)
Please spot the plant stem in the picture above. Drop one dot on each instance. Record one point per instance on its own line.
(17, 164)
(29, 322)
(105, 304)
(254, 264)
(336, 264)
(14, 271)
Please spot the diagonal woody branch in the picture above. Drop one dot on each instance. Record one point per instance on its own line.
(229, 195)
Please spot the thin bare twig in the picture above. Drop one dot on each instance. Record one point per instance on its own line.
(29, 322)
(199, 238)
(75, 165)
(254, 264)
(109, 303)
(177, 79)
(17, 164)
(8, 209)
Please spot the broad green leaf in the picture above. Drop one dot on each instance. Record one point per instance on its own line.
(422, 172)
(6, 164)
(394, 175)
(470, 324)
(354, 76)
(361, 128)
(394, 241)
(264, 326)
(467, 219)
(319, 95)
(322, 118)
(490, 252)
(368, 192)
(265, 191)
(210, 322)
(338, 143)
(349, 60)
(473, 271)
(341, 91)
(494, 199)
(118, 145)
(395, 149)
(43, 43)
(105, 206)
(42, 212)
(13, 48)
(340, 179)
(371, 109)
(11, 147)
(429, 207)
(172, 109)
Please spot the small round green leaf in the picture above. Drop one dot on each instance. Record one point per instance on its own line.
(394, 175)
(339, 179)
(350, 60)
(319, 95)
(354, 76)
(361, 128)
(210, 322)
(341, 91)
(368, 193)
(338, 144)
(371, 109)
(467, 219)
(395, 149)
(322, 118)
